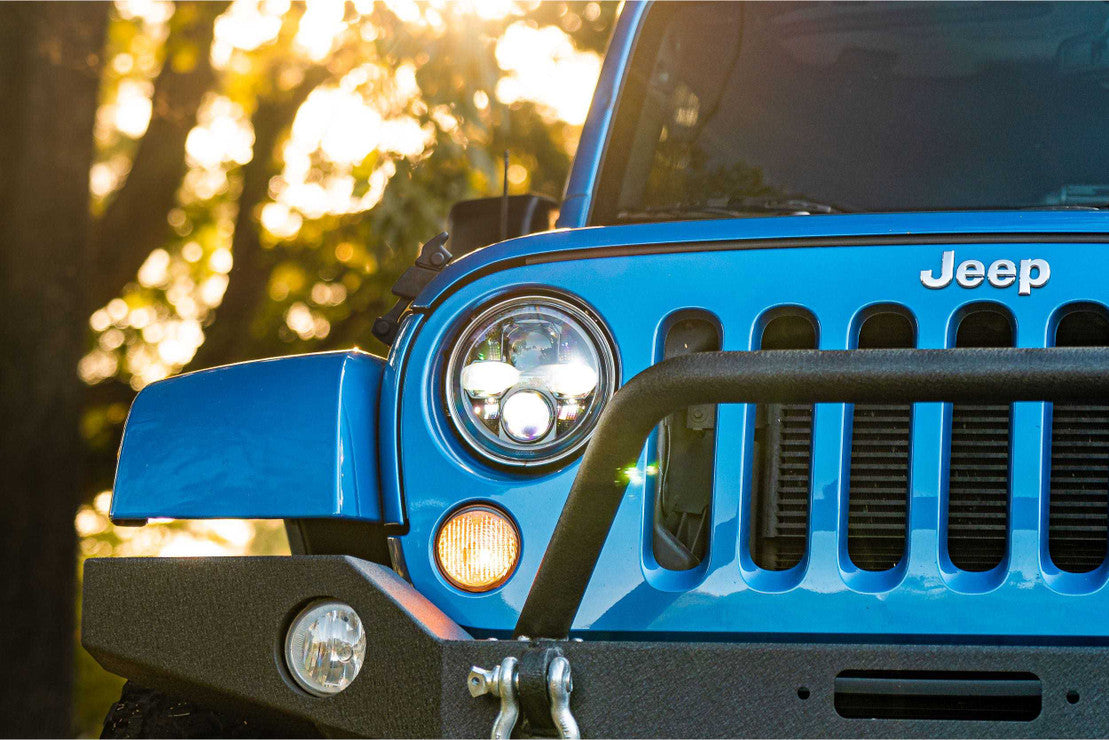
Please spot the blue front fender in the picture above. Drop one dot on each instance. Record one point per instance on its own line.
(286, 438)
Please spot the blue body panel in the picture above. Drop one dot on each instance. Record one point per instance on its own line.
(287, 438)
(925, 597)
(553, 244)
(392, 498)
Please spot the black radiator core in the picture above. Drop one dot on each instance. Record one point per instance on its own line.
(978, 485)
(783, 462)
(878, 497)
(1079, 500)
(879, 494)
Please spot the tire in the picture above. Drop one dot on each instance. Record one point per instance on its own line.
(145, 713)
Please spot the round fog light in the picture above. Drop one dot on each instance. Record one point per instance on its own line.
(477, 548)
(325, 647)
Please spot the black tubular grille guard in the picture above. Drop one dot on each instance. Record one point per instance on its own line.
(775, 376)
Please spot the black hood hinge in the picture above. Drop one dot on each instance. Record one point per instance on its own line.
(432, 259)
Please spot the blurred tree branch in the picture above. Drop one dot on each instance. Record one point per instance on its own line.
(229, 338)
(272, 275)
(134, 221)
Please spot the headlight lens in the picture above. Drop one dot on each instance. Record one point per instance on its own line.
(325, 647)
(527, 416)
(528, 378)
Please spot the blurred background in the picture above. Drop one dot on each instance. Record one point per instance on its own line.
(191, 184)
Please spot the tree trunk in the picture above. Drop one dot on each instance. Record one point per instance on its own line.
(134, 222)
(49, 75)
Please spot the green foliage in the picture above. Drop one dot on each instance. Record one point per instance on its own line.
(452, 52)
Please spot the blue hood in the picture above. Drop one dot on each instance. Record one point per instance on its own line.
(755, 232)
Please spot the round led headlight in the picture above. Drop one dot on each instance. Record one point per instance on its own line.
(527, 379)
(325, 647)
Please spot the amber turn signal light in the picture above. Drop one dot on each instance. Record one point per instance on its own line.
(477, 548)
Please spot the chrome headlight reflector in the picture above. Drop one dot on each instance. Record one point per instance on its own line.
(527, 380)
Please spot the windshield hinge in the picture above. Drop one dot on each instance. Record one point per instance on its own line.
(432, 259)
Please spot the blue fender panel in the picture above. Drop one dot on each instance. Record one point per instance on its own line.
(293, 437)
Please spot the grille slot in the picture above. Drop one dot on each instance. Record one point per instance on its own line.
(783, 462)
(686, 451)
(1078, 519)
(878, 496)
(978, 486)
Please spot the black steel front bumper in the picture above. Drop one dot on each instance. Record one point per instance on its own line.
(211, 630)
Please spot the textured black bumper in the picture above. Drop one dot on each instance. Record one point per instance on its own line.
(211, 629)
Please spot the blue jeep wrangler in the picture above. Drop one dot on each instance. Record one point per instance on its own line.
(797, 425)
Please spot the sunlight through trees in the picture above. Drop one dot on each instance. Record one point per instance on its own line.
(264, 170)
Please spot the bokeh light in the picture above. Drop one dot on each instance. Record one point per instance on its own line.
(387, 112)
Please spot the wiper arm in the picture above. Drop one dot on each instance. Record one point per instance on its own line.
(731, 208)
(771, 204)
(1068, 207)
(662, 213)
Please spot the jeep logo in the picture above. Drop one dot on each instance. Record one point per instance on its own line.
(1000, 274)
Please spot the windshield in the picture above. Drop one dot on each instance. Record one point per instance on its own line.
(734, 109)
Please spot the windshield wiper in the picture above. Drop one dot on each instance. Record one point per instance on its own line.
(1068, 207)
(797, 206)
(690, 211)
(732, 208)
